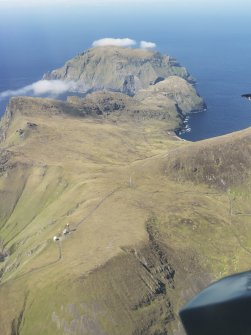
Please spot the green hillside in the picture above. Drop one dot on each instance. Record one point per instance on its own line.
(150, 225)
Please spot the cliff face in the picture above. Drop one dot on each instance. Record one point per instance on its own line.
(118, 69)
(174, 89)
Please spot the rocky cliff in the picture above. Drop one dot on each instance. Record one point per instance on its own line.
(118, 69)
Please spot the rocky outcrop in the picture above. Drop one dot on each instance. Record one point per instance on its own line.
(131, 85)
(118, 69)
(175, 89)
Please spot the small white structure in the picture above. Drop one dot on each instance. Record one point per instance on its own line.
(55, 238)
(67, 229)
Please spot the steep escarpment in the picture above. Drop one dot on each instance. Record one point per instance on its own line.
(222, 162)
(118, 69)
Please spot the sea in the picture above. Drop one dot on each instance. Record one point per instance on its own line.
(214, 47)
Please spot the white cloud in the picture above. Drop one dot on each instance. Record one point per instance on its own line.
(42, 87)
(147, 45)
(120, 42)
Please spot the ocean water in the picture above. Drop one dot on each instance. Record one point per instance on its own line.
(215, 48)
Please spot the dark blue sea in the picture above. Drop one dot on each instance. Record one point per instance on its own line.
(215, 48)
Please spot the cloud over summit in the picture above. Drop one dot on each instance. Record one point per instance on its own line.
(120, 42)
(123, 42)
(147, 45)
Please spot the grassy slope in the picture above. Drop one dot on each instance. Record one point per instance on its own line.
(142, 242)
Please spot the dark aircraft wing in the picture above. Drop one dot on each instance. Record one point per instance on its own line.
(247, 96)
(224, 308)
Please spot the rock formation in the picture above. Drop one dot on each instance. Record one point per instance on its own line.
(118, 69)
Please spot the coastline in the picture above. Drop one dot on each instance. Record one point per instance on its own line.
(186, 127)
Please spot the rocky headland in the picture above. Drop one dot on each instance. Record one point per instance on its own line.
(160, 87)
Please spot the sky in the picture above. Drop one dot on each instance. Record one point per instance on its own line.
(212, 5)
